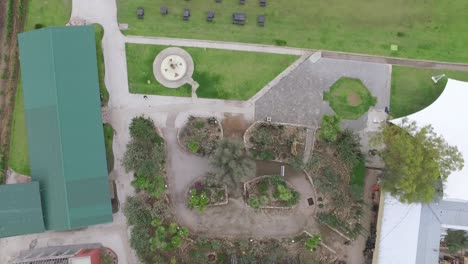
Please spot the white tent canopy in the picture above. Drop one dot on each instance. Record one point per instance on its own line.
(410, 233)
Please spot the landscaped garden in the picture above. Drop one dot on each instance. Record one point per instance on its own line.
(200, 135)
(108, 140)
(338, 172)
(222, 74)
(270, 192)
(275, 141)
(207, 192)
(349, 98)
(421, 29)
(414, 90)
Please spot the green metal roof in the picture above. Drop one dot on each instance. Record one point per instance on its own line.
(63, 118)
(20, 209)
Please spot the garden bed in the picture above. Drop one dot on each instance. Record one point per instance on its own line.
(276, 141)
(339, 205)
(270, 192)
(203, 193)
(200, 135)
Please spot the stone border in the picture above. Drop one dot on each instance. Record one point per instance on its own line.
(268, 207)
(247, 135)
(187, 78)
(185, 123)
(187, 191)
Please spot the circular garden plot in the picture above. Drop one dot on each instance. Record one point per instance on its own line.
(200, 135)
(270, 192)
(349, 98)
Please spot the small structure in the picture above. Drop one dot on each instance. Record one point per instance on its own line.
(186, 14)
(261, 20)
(140, 12)
(164, 10)
(238, 18)
(173, 67)
(263, 2)
(241, 2)
(210, 16)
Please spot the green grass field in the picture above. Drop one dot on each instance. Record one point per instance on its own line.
(38, 14)
(426, 29)
(221, 74)
(19, 159)
(413, 89)
(341, 96)
(99, 33)
(108, 139)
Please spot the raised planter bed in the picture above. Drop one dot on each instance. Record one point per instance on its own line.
(270, 192)
(276, 141)
(203, 193)
(200, 135)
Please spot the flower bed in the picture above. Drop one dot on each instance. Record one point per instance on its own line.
(200, 135)
(275, 141)
(203, 193)
(270, 192)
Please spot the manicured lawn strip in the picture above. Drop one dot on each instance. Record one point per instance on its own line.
(421, 29)
(47, 13)
(38, 14)
(338, 98)
(413, 89)
(99, 33)
(18, 158)
(108, 138)
(358, 174)
(222, 74)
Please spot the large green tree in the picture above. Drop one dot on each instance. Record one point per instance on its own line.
(232, 163)
(417, 161)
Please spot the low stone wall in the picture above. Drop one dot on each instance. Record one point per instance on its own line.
(180, 130)
(226, 196)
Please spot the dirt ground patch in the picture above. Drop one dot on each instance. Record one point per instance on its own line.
(354, 99)
(234, 126)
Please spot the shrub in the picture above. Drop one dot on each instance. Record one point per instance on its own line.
(193, 146)
(137, 213)
(254, 202)
(312, 242)
(348, 147)
(280, 42)
(199, 200)
(262, 186)
(283, 193)
(167, 237)
(263, 200)
(330, 128)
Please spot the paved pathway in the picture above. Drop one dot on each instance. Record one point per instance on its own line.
(295, 51)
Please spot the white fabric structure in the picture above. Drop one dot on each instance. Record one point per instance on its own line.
(410, 233)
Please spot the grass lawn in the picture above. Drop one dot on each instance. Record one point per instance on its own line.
(38, 14)
(428, 29)
(413, 89)
(349, 98)
(108, 139)
(222, 74)
(19, 159)
(99, 33)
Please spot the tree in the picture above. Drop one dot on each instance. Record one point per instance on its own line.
(232, 163)
(312, 242)
(417, 161)
(456, 240)
(348, 146)
(330, 128)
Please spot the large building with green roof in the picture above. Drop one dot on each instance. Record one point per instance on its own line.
(63, 118)
(20, 209)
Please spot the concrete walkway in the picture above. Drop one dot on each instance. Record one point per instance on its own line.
(295, 51)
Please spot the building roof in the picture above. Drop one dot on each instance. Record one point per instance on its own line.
(20, 209)
(64, 123)
(410, 233)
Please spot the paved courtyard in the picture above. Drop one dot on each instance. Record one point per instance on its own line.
(297, 98)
